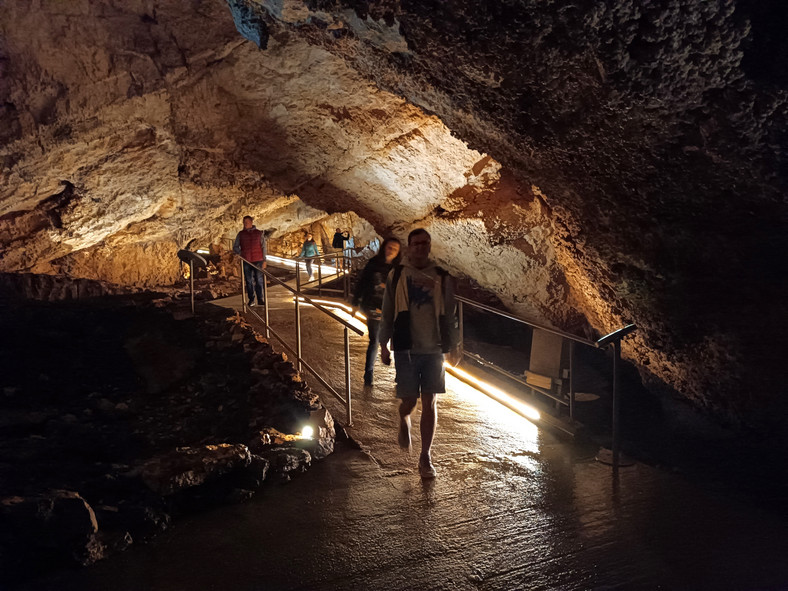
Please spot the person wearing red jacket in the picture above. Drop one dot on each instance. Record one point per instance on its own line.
(250, 244)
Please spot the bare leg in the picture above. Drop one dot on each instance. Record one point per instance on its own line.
(429, 420)
(405, 408)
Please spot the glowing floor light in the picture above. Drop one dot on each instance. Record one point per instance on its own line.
(508, 400)
(340, 305)
(307, 432)
(344, 311)
(327, 271)
(331, 304)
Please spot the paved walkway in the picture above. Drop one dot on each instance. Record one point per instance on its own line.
(513, 507)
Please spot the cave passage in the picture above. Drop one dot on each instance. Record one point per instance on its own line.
(507, 510)
(586, 166)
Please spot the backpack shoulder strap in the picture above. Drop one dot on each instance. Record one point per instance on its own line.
(444, 275)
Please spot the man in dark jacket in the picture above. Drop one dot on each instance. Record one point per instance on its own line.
(339, 239)
(338, 244)
(250, 244)
(419, 316)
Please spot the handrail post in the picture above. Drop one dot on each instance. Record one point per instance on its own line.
(614, 338)
(572, 380)
(346, 262)
(616, 405)
(265, 300)
(461, 322)
(319, 278)
(243, 288)
(347, 378)
(298, 314)
(191, 283)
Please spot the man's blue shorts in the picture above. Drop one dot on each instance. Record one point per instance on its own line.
(419, 374)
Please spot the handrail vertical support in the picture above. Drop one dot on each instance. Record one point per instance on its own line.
(616, 404)
(298, 315)
(572, 380)
(191, 283)
(461, 322)
(243, 288)
(346, 263)
(319, 277)
(614, 338)
(265, 300)
(347, 377)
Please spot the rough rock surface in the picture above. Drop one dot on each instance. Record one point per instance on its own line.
(187, 467)
(624, 163)
(134, 418)
(59, 522)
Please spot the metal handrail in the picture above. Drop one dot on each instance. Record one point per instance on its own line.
(478, 359)
(616, 335)
(306, 298)
(614, 338)
(329, 255)
(301, 363)
(304, 363)
(554, 331)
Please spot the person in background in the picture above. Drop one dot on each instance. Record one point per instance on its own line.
(338, 244)
(368, 296)
(420, 318)
(309, 250)
(251, 245)
(339, 239)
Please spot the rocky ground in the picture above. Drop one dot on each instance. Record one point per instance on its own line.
(121, 412)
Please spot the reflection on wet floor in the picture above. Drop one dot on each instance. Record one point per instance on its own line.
(513, 507)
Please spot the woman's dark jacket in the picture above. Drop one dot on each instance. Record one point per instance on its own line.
(369, 290)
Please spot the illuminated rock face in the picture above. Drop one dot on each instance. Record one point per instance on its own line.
(592, 165)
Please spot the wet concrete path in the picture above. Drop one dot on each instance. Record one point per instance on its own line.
(513, 507)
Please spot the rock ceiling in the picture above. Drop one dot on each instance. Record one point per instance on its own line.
(591, 163)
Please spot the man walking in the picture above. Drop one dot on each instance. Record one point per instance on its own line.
(250, 244)
(419, 316)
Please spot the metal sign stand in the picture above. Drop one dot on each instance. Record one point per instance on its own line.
(192, 259)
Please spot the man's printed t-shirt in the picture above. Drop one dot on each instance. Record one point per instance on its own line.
(423, 319)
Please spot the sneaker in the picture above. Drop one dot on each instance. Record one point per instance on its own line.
(404, 434)
(251, 304)
(426, 469)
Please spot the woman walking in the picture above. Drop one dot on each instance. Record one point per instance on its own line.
(369, 296)
(309, 250)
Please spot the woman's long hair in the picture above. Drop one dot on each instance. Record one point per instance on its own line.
(381, 256)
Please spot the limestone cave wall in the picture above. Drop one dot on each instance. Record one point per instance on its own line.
(590, 163)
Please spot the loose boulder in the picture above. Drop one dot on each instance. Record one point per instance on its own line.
(188, 467)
